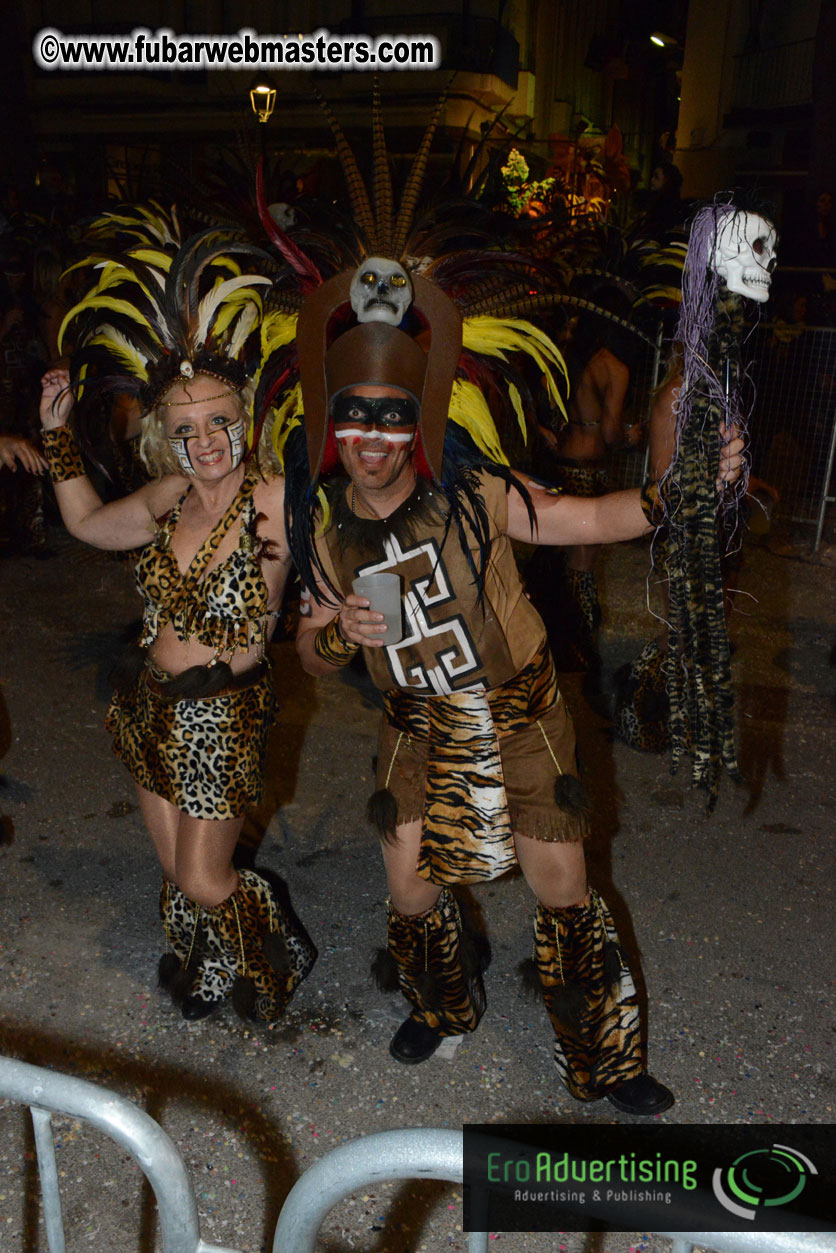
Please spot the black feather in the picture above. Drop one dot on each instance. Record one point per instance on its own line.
(181, 982)
(196, 681)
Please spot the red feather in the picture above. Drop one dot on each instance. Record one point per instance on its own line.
(294, 256)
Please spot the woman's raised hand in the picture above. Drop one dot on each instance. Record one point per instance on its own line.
(56, 399)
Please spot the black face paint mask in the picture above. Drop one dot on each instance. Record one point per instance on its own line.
(383, 412)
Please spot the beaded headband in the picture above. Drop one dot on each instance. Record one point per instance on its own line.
(232, 388)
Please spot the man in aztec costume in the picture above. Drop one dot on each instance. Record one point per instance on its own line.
(476, 766)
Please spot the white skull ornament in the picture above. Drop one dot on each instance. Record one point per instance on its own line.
(380, 291)
(744, 253)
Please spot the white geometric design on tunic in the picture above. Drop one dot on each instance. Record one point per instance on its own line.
(459, 658)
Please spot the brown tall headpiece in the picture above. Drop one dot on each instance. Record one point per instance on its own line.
(376, 353)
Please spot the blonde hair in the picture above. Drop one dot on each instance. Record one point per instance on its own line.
(155, 449)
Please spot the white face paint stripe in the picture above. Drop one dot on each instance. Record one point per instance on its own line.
(181, 448)
(360, 433)
(235, 434)
(235, 431)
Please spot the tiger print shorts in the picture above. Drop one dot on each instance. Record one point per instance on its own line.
(206, 756)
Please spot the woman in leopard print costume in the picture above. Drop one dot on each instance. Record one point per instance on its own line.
(192, 725)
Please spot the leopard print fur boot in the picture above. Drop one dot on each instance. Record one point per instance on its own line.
(271, 951)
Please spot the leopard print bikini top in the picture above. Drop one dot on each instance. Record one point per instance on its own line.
(225, 608)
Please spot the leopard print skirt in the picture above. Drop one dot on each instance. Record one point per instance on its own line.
(206, 756)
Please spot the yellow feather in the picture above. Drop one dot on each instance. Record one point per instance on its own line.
(221, 292)
(114, 275)
(469, 409)
(152, 256)
(497, 337)
(95, 301)
(286, 417)
(232, 308)
(325, 512)
(516, 401)
(277, 330)
(134, 361)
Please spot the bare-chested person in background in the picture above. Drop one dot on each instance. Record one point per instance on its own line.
(599, 377)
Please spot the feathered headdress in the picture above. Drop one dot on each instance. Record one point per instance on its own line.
(473, 287)
(161, 311)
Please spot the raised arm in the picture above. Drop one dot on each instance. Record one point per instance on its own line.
(122, 524)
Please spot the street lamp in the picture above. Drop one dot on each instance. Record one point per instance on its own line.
(263, 101)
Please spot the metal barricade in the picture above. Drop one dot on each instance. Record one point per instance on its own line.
(47, 1093)
(422, 1153)
(416, 1153)
(411, 1153)
(792, 429)
(793, 426)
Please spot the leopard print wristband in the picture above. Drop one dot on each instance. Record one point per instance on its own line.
(330, 645)
(61, 452)
(652, 502)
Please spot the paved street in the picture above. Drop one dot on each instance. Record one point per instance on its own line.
(732, 915)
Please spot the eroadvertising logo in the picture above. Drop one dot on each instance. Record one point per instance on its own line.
(773, 1176)
(666, 1178)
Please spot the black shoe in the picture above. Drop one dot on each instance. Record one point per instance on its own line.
(414, 1042)
(193, 1008)
(642, 1096)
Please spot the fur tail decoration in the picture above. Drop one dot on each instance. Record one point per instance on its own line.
(384, 971)
(244, 997)
(382, 813)
(530, 977)
(570, 796)
(568, 1005)
(168, 967)
(615, 963)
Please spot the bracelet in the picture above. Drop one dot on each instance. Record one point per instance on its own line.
(63, 457)
(652, 502)
(330, 645)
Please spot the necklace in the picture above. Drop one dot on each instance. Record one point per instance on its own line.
(369, 511)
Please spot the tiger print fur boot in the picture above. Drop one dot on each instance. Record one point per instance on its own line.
(436, 960)
(196, 972)
(591, 1001)
(270, 950)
